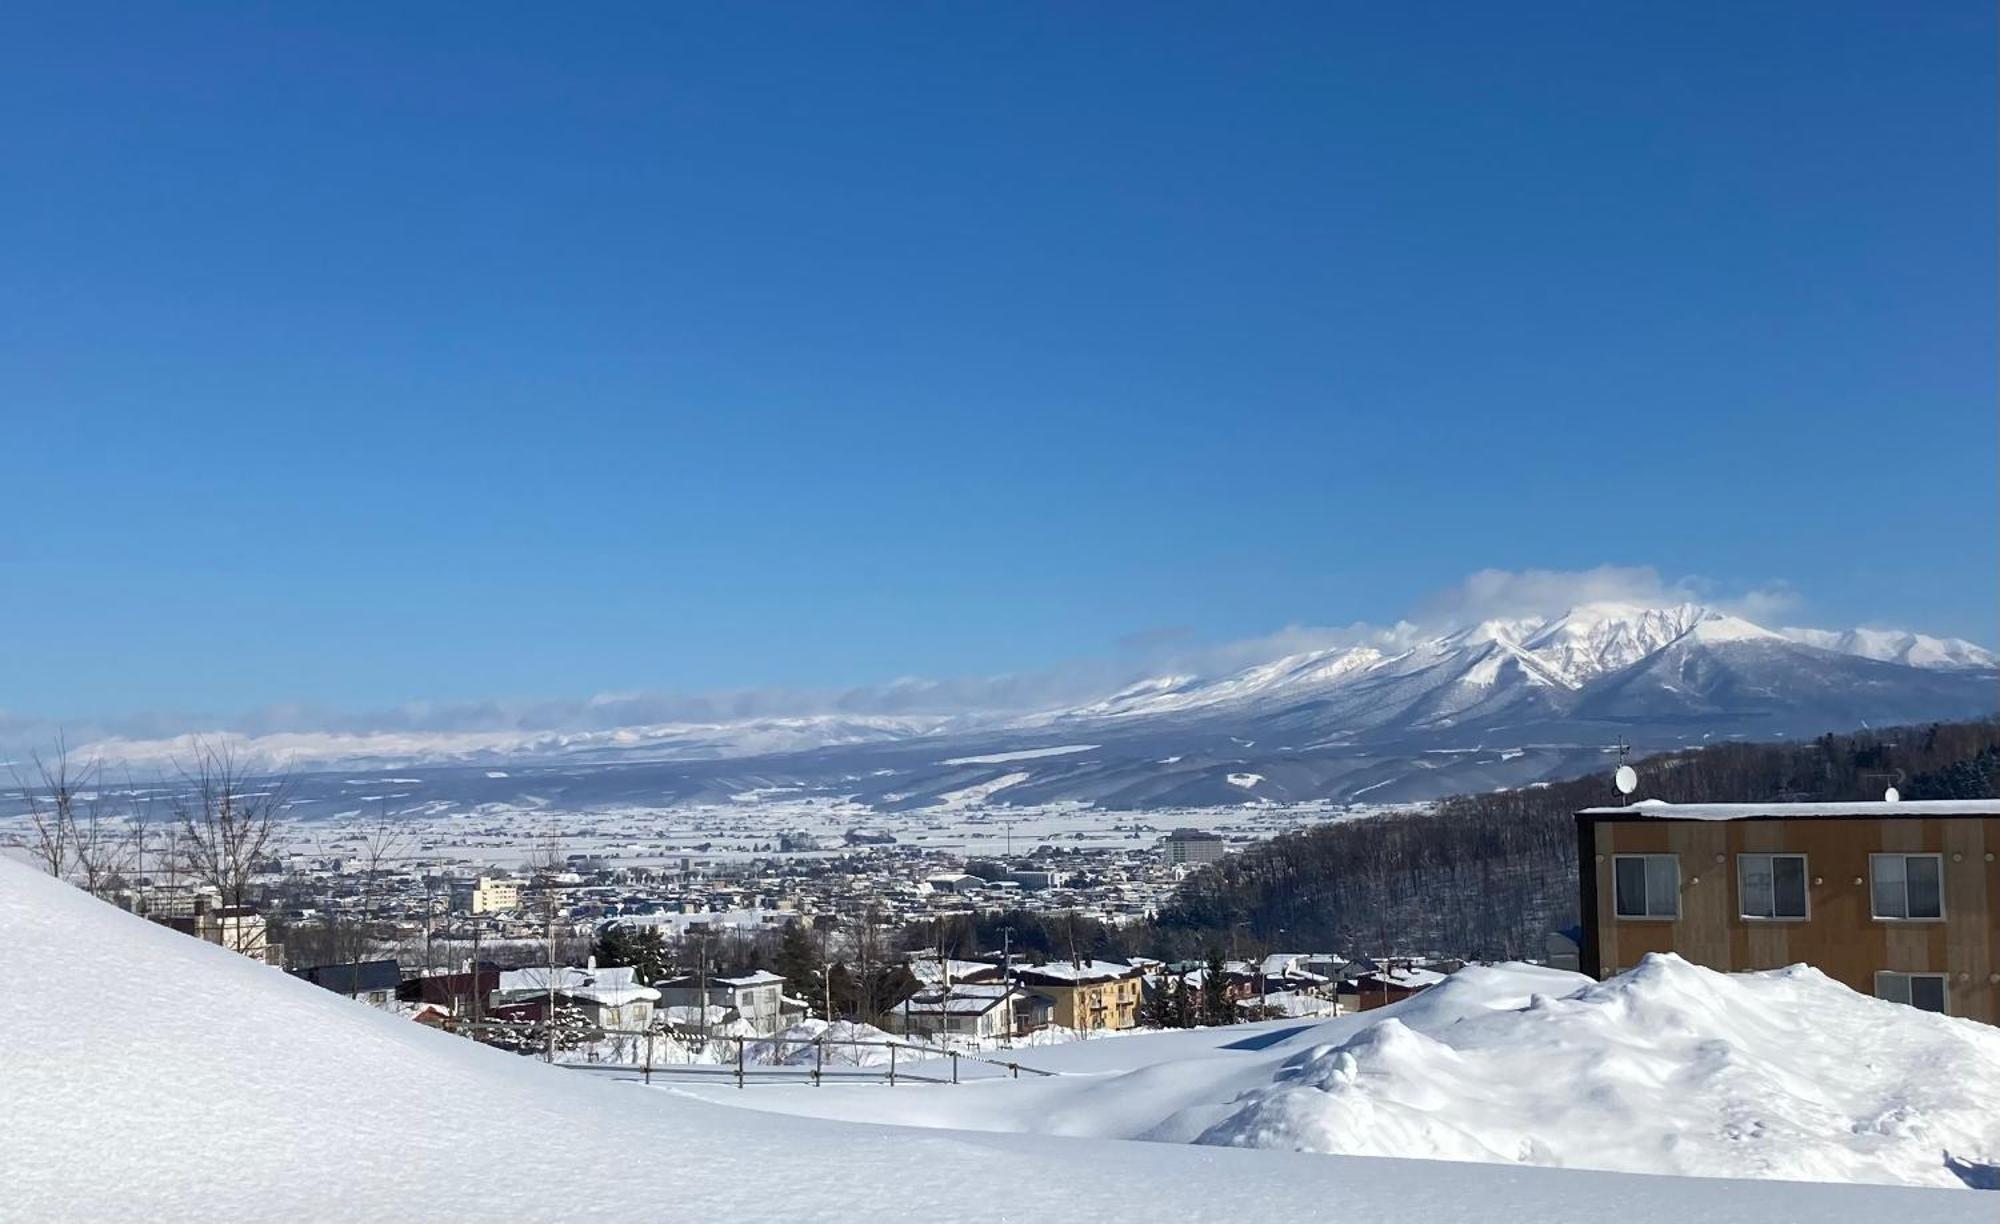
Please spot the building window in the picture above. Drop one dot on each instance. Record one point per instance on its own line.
(1907, 885)
(1647, 885)
(1923, 991)
(1771, 885)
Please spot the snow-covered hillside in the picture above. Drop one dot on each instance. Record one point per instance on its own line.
(150, 1076)
(1668, 1069)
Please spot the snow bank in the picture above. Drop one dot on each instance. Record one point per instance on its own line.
(150, 1076)
(1669, 1068)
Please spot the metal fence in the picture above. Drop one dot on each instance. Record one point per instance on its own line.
(653, 1052)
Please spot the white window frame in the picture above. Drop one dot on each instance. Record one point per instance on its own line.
(1649, 915)
(1905, 977)
(1905, 855)
(1805, 876)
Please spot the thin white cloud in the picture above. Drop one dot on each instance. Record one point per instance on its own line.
(498, 725)
(1494, 594)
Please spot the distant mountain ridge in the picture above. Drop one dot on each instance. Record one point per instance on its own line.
(1565, 652)
(1406, 716)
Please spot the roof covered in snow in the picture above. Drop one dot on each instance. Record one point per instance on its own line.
(613, 986)
(930, 970)
(975, 999)
(1058, 972)
(1655, 809)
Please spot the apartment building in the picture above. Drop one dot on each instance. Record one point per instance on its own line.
(1089, 994)
(1193, 846)
(1895, 900)
(488, 895)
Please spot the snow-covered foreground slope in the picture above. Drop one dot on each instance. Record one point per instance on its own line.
(1667, 1069)
(149, 1076)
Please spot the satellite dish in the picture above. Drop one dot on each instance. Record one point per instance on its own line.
(1892, 795)
(1626, 779)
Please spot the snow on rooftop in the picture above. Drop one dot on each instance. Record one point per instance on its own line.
(1409, 977)
(966, 1000)
(239, 1077)
(1655, 809)
(612, 986)
(1079, 971)
(930, 970)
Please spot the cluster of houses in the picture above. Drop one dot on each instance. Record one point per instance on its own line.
(990, 1001)
(980, 1002)
(609, 999)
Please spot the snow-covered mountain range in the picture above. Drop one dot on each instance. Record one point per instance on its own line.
(1679, 655)
(1409, 715)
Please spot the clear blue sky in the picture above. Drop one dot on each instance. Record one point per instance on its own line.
(359, 354)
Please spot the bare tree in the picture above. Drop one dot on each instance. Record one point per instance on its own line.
(51, 797)
(101, 847)
(138, 828)
(228, 822)
(543, 866)
(381, 844)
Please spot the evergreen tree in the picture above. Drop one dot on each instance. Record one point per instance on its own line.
(797, 961)
(643, 948)
(1215, 1005)
(845, 989)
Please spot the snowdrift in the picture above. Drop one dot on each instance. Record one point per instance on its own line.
(149, 1076)
(1669, 1068)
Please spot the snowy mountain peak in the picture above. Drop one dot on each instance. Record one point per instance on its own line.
(1589, 640)
(1898, 646)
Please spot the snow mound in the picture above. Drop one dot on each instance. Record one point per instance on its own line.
(1669, 1068)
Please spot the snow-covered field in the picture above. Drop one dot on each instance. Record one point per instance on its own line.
(150, 1076)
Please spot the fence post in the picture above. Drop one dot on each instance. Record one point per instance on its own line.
(647, 1074)
(892, 1064)
(1015, 1068)
(954, 1066)
(819, 1058)
(739, 1062)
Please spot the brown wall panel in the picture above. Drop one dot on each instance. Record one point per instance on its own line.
(1841, 937)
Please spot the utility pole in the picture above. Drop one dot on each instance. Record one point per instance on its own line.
(701, 972)
(477, 1002)
(826, 972)
(551, 908)
(865, 988)
(1007, 981)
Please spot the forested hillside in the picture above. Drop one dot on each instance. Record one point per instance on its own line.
(1488, 876)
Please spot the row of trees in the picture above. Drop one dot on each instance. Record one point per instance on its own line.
(1174, 1004)
(218, 827)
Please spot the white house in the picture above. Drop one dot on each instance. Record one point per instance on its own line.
(978, 1011)
(611, 998)
(757, 999)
